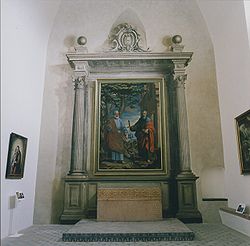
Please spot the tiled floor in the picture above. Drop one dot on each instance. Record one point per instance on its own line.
(205, 235)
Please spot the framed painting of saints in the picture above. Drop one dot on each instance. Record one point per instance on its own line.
(16, 156)
(130, 133)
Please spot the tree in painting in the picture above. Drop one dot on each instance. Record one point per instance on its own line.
(119, 96)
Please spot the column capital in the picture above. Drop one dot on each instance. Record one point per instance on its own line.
(81, 72)
(79, 81)
(179, 73)
(180, 80)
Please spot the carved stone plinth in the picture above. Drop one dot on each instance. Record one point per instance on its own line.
(74, 202)
(80, 197)
(129, 204)
(187, 200)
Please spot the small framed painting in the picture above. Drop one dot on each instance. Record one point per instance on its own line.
(16, 156)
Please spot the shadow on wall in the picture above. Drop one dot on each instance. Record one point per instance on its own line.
(70, 41)
(167, 42)
(64, 93)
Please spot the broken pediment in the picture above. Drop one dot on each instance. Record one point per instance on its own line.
(125, 38)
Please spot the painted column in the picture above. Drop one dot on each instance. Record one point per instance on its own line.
(179, 78)
(182, 118)
(75, 183)
(79, 151)
(186, 180)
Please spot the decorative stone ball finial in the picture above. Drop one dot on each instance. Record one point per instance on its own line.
(176, 45)
(177, 39)
(82, 40)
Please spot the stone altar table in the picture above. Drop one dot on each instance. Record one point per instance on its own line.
(129, 203)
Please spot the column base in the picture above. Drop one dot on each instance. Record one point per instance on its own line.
(78, 173)
(187, 198)
(186, 175)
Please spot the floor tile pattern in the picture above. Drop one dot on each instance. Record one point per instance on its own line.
(205, 235)
(164, 230)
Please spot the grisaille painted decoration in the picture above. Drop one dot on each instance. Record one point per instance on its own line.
(125, 38)
(130, 125)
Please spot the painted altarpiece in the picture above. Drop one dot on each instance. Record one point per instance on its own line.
(130, 79)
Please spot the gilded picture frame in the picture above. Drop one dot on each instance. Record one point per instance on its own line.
(130, 136)
(243, 137)
(16, 156)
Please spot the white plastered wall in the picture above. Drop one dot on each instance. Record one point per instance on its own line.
(232, 56)
(26, 26)
(247, 13)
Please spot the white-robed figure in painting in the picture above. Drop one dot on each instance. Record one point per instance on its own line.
(116, 135)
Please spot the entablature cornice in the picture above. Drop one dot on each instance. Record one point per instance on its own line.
(147, 61)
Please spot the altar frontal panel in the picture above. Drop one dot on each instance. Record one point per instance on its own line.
(129, 204)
